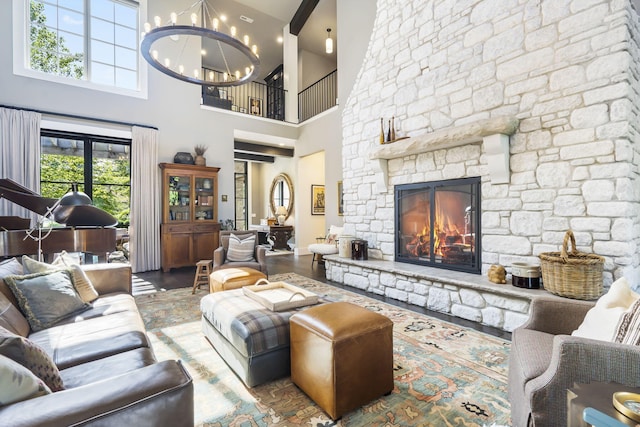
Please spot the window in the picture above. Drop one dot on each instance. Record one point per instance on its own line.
(100, 165)
(83, 42)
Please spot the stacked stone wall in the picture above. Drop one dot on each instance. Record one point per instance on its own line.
(567, 69)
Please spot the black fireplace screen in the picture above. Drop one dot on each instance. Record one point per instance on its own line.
(438, 224)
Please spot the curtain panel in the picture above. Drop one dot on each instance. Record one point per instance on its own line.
(144, 243)
(20, 155)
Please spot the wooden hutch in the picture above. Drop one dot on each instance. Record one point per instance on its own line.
(190, 230)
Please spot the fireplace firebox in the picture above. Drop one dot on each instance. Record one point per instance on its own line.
(438, 224)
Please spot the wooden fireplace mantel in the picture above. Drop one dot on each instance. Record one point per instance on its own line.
(493, 133)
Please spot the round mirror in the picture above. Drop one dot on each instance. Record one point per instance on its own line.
(281, 194)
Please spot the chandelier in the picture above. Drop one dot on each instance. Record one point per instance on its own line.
(229, 60)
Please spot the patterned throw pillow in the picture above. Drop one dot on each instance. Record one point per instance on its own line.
(601, 321)
(628, 329)
(241, 250)
(80, 280)
(31, 356)
(46, 298)
(331, 238)
(18, 383)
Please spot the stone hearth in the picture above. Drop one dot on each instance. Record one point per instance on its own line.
(463, 295)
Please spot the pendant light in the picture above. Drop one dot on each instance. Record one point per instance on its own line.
(328, 44)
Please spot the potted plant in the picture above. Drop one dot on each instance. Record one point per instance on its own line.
(200, 160)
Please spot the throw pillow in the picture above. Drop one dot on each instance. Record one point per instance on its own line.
(628, 329)
(331, 238)
(602, 320)
(241, 250)
(63, 261)
(18, 383)
(8, 268)
(46, 298)
(11, 318)
(31, 356)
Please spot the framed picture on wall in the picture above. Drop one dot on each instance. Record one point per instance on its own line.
(255, 106)
(340, 199)
(317, 199)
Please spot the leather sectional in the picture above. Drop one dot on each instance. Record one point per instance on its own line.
(111, 376)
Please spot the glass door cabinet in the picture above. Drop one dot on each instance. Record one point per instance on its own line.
(190, 227)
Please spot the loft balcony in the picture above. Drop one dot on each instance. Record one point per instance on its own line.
(268, 100)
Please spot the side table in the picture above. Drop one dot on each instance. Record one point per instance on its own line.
(280, 235)
(598, 396)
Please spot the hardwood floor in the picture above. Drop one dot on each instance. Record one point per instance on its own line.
(183, 277)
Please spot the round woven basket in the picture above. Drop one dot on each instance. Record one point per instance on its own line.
(572, 274)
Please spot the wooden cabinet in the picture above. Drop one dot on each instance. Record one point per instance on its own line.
(190, 230)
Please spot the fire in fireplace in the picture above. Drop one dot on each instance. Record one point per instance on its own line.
(438, 224)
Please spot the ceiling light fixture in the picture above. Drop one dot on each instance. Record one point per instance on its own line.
(224, 51)
(328, 44)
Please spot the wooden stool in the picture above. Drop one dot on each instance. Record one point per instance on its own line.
(202, 274)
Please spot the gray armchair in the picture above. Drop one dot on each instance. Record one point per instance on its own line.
(545, 361)
(220, 254)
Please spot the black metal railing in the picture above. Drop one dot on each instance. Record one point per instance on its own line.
(253, 98)
(318, 97)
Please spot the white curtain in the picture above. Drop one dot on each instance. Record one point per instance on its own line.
(20, 155)
(144, 230)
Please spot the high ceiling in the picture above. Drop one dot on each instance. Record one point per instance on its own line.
(269, 18)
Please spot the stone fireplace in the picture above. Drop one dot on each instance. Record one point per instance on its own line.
(537, 98)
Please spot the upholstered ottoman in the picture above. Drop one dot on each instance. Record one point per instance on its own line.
(252, 340)
(233, 278)
(341, 355)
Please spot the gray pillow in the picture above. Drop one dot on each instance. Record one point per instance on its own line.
(241, 250)
(46, 298)
(80, 279)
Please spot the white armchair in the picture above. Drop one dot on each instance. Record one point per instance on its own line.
(327, 245)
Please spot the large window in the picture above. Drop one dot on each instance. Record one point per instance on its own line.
(92, 41)
(101, 167)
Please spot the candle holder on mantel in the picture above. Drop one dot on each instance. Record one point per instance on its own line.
(391, 132)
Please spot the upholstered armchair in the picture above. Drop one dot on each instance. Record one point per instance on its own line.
(546, 360)
(256, 259)
(327, 245)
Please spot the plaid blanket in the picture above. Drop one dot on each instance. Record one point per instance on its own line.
(250, 327)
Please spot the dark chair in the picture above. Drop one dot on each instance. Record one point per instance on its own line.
(259, 261)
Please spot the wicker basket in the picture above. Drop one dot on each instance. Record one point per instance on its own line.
(572, 274)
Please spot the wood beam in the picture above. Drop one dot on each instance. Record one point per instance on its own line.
(262, 149)
(301, 16)
(253, 157)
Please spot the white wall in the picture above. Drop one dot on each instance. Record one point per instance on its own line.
(312, 67)
(313, 225)
(323, 133)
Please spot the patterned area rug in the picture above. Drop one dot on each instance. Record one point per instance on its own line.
(445, 375)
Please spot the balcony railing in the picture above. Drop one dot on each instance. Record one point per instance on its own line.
(263, 100)
(318, 97)
(253, 98)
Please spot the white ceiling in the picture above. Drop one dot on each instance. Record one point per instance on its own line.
(269, 18)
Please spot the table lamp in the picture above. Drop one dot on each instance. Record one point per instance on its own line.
(281, 214)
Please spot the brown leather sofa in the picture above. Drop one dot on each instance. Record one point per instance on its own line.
(110, 374)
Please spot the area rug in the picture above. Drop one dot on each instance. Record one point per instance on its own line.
(445, 374)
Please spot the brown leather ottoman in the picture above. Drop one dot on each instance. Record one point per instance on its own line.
(233, 278)
(341, 355)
